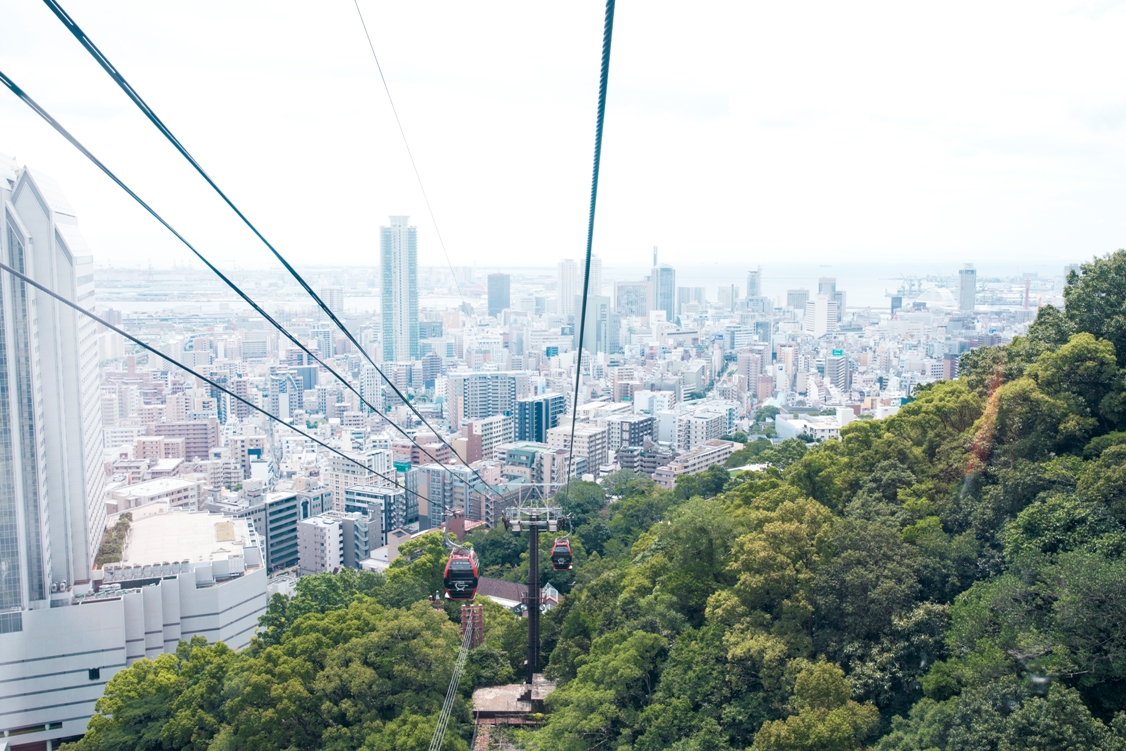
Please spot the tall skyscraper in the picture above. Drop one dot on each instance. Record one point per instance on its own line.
(967, 288)
(499, 293)
(827, 285)
(595, 276)
(398, 256)
(567, 286)
(663, 284)
(52, 485)
(754, 283)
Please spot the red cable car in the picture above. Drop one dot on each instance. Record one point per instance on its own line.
(460, 577)
(561, 555)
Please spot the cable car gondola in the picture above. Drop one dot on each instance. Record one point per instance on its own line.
(460, 577)
(561, 555)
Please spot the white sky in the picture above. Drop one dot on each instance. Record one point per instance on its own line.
(740, 133)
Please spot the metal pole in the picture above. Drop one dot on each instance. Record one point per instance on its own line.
(533, 597)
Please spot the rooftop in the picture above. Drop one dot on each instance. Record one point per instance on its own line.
(177, 535)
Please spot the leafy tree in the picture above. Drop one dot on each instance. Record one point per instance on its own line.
(824, 718)
(1095, 300)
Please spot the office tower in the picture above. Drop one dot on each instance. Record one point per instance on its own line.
(754, 283)
(595, 276)
(567, 286)
(602, 325)
(827, 285)
(727, 294)
(836, 370)
(663, 290)
(820, 316)
(58, 653)
(334, 298)
(631, 298)
(499, 295)
(686, 295)
(476, 395)
(322, 335)
(398, 255)
(534, 417)
(52, 484)
(797, 298)
(967, 288)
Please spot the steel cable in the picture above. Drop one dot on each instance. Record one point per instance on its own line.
(102, 60)
(35, 107)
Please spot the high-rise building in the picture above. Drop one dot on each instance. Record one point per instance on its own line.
(663, 295)
(595, 287)
(52, 485)
(602, 333)
(536, 416)
(334, 298)
(754, 283)
(499, 293)
(827, 285)
(567, 286)
(797, 298)
(58, 653)
(631, 298)
(476, 395)
(967, 288)
(686, 295)
(820, 316)
(837, 371)
(727, 295)
(398, 256)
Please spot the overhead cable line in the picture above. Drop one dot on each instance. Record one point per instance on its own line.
(451, 693)
(214, 384)
(607, 34)
(19, 92)
(159, 124)
(408, 148)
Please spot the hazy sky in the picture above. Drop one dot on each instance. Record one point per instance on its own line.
(735, 132)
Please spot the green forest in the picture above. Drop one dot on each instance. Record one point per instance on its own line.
(948, 578)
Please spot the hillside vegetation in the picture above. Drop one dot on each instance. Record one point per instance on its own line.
(949, 578)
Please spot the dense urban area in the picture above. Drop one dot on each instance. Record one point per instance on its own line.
(795, 523)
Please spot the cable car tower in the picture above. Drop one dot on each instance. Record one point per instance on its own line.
(517, 519)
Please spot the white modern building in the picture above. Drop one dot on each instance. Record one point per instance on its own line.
(181, 575)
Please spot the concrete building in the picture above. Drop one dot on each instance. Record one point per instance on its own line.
(632, 298)
(694, 461)
(499, 293)
(537, 415)
(52, 482)
(181, 575)
(663, 291)
(398, 260)
(341, 474)
(837, 370)
(393, 507)
(629, 430)
(483, 394)
(490, 433)
(591, 442)
(797, 298)
(967, 288)
(335, 540)
(177, 492)
(821, 316)
(567, 285)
